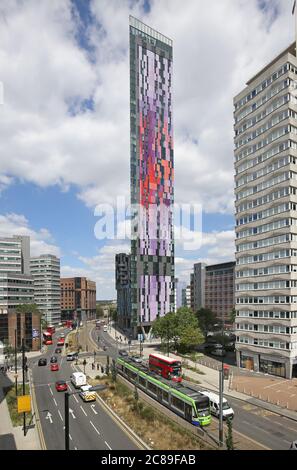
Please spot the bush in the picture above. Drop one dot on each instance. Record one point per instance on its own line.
(147, 413)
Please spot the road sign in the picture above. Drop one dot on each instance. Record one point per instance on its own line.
(140, 337)
(24, 404)
(35, 333)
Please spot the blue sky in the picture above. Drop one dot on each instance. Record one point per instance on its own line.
(64, 123)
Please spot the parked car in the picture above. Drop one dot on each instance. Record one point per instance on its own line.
(71, 356)
(61, 386)
(54, 367)
(58, 350)
(54, 359)
(42, 361)
(123, 353)
(220, 352)
(137, 359)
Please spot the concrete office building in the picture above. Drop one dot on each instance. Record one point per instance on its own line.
(152, 187)
(123, 288)
(265, 114)
(219, 292)
(45, 270)
(16, 288)
(78, 298)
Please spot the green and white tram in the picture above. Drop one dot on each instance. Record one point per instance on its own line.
(184, 401)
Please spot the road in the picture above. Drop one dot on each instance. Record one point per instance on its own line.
(267, 428)
(91, 427)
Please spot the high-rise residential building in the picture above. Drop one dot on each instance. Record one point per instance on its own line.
(45, 270)
(199, 286)
(186, 297)
(219, 292)
(123, 288)
(265, 114)
(16, 288)
(78, 298)
(152, 190)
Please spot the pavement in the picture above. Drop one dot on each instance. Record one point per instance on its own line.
(17, 439)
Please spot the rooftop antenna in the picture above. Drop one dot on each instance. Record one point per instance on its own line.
(294, 12)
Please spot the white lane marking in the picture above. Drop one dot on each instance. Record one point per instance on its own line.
(60, 415)
(72, 413)
(55, 402)
(75, 398)
(70, 388)
(108, 445)
(95, 428)
(75, 448)
(83, 410)
(49, 416)
(93, 408)
(70, 436)
(51, 390)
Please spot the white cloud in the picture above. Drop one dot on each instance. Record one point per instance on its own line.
(45, 73)
(41, 240)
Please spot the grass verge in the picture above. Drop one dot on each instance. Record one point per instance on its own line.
(16, 418)
(154, 428)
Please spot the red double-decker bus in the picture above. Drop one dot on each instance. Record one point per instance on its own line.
(51, 329)
(47, 338)
(166, 366)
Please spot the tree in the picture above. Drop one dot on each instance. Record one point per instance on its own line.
(165, 327)
(232, 315)
(206, 320)
(189, 338)
(229, 437)
(99, 311)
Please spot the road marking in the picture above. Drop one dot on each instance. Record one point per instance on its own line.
(93, 408)
(55, 402)
(70, 388)
(60, 415)
(70, 436)
(72, 413)
(75, 398)
(108, 445)
(51, 390)
(49, 416)
(83, 410)
(75, 448)
(95, 428)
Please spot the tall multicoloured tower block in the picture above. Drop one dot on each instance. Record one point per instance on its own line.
(152, 175)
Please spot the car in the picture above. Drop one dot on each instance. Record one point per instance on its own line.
(61, 386)
(58, 350)
(61, 342)
(105, 328)
(87, 394)
(62, 335)
(53, 359)
(123, 353)
(220, 352)
(54, 367)
(136, 359)
(71, 356)
(42, 361)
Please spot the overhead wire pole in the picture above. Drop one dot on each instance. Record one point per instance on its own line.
(24, 389)
(221, 388)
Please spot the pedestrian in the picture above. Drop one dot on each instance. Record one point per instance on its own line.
(98, 367)
(102, 369)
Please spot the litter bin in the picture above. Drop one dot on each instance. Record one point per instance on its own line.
(226, 372)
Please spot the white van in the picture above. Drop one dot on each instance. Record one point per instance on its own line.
(105, 328)
(78, 379)
(214, 402)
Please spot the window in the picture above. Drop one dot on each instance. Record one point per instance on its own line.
(177, 403)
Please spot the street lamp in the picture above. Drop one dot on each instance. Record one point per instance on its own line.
(66, 410)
